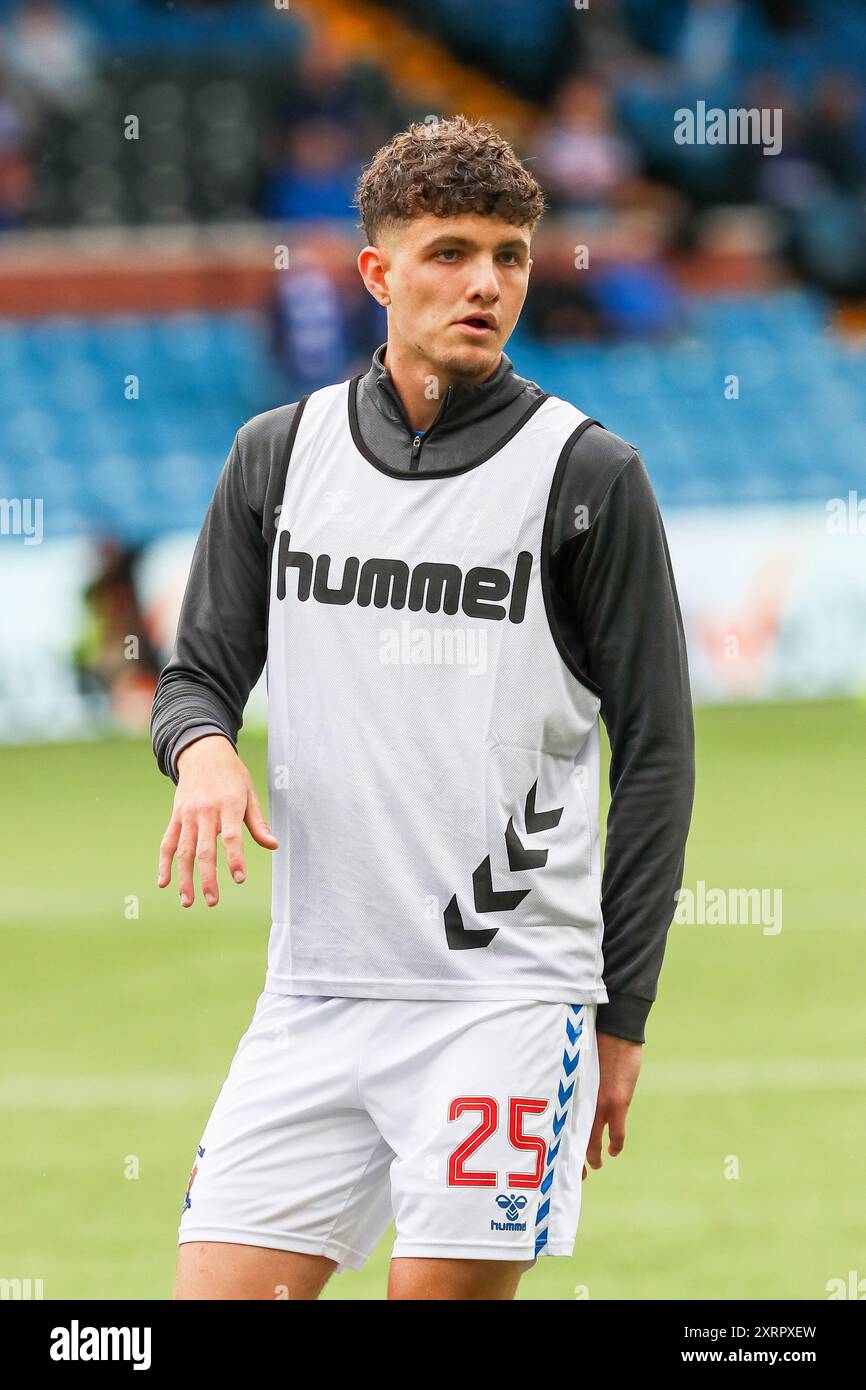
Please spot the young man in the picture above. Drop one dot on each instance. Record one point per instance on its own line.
(450, 574)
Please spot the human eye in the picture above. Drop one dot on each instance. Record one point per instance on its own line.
(448, 251)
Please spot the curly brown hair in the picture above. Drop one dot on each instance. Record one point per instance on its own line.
(446, 167)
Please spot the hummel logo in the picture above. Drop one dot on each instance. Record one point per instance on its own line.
(512, 1207)
(389, 583)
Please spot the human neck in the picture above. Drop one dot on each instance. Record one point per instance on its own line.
(412, 378)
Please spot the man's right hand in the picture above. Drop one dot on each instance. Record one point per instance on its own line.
(215, 796)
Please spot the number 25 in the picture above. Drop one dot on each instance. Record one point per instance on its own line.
(518, 1107)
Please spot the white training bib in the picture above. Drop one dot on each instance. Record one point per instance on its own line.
(433, 761)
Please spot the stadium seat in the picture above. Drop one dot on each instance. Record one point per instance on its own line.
(140, 467)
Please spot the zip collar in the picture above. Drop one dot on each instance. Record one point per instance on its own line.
(464, 449)
(463, 403)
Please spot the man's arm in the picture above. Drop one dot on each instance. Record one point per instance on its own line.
(219, 653)
(221, 641)
(617, 601)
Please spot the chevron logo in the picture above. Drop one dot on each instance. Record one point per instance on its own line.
(485, 897)
(458, 938)
(569, 1064)
(486, 900)
(539, 820)
(570, 1059)
(519, 857)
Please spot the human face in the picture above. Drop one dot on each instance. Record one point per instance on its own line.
(440, 272)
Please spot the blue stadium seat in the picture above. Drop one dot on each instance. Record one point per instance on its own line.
(141, 467)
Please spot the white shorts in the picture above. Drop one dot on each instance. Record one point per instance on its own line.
(464, 1122)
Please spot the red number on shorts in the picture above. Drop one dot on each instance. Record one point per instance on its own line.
(457, 1175)
(518, 1106)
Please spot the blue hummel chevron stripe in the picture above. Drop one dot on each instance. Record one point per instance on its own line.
(569, 1065)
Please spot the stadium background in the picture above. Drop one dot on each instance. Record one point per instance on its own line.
(154, 160)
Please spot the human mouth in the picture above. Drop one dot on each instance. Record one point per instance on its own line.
(477, 325)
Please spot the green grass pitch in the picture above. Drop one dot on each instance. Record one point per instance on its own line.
(118, 1030)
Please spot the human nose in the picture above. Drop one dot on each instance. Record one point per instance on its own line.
(484, 283)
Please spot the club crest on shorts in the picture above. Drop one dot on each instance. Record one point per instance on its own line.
(187, 1202)
(512, 1207)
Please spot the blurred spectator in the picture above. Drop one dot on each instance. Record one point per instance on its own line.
(709, 42)
(790, 179)
(355, 95)
(16, 178)
(323, 327)
(335, 113)
(624, 290)
(706, 41)
(582, 158)
(314, 173)
(835, 135)
(818, 181)
(637, 299)
(53, 52)
(306, 116)
(116, 663)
